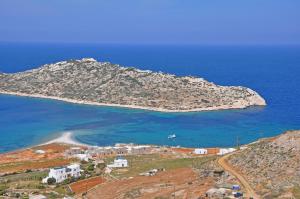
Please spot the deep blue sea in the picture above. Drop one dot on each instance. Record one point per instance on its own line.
(273, 71)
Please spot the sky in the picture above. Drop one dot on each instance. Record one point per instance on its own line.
(151, 21)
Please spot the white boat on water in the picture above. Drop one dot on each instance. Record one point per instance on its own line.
(172, 136)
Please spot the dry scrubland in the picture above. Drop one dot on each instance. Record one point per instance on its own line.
(102, 83)
(272, 166)
(27, 159)
(25, 175)
(183, 176)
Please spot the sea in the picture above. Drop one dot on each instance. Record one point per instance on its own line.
(272, 71)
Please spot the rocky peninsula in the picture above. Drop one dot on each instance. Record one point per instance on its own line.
(88, 81)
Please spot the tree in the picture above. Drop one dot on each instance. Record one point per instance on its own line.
(51, 181)
(91, 167)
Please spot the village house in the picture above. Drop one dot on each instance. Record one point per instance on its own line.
(73, 151)
(141, 149)
(107, 151)
(62, 173)
(120, 150)
(224, 151)
(40, 152)
(39, 196)
(82, 157)
(200, 151)
(217, 193)
(119, 162)
(102, 152)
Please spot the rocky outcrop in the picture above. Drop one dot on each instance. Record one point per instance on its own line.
(272, 165)
(102, 83)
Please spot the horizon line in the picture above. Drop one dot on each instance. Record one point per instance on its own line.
(149, 43)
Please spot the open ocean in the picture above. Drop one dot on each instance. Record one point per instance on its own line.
(273, 71)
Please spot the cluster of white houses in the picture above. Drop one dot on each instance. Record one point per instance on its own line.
(217, 151)
(131, 149)
(97, 153)
(60, 174)
(100, 152)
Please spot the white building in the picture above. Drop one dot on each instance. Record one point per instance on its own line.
(37, 197)
(119, 162)
(40, 152)
(200, 151)
(224, 151)
(82, 157)
(140, 149)
(73, 151)
(217, 193)
(120, 150)
(62, 173)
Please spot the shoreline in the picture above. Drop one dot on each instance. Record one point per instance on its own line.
(65, 138)
(223, 107)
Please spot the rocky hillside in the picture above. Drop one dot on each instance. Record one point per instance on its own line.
(272, 165)
(89, 81)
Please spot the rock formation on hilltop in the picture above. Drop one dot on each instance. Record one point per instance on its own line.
(91, 82)
(272, 166)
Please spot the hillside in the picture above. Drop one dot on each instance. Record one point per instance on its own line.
(91, 82)
(272, 166)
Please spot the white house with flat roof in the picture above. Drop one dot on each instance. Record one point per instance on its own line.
(82, 157)
(140, 149)
(200, 151)
(224, 151)
(62, 173)
(119, 162)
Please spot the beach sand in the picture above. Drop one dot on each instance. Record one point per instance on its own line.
(65, 138)
(257, 102)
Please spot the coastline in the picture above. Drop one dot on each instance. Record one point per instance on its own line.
(216, 108)
(65, 138)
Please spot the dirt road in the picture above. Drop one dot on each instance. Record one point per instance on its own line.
(249, 192)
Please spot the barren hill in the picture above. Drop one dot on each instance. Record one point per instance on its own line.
(91, 82)
(272, 165)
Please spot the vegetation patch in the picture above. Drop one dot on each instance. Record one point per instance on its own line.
(142, 163)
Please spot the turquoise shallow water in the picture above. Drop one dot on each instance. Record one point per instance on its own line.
(273, 71)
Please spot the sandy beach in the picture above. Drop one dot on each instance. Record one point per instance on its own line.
(65, 138)
(215, 108)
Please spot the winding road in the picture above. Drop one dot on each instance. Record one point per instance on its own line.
(249, 191)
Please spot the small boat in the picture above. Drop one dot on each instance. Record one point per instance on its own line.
(172, 136)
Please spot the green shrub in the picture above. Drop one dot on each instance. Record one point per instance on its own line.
(3, 189)
(51, 181)
(91, 167)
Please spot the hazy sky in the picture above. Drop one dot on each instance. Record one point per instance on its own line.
(151, 21)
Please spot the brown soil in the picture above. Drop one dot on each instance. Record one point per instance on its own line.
(25, 159)
(184, 182)
(210, 151)
(84, 185)
(183, 150)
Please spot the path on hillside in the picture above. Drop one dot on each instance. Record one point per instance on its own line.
(249, 191)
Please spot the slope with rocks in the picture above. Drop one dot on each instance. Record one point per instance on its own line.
(91, 82)
(272, 166)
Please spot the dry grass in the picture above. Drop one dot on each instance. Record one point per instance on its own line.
(184, 182)
(31, 165)
(142, 163)
(28, 159)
